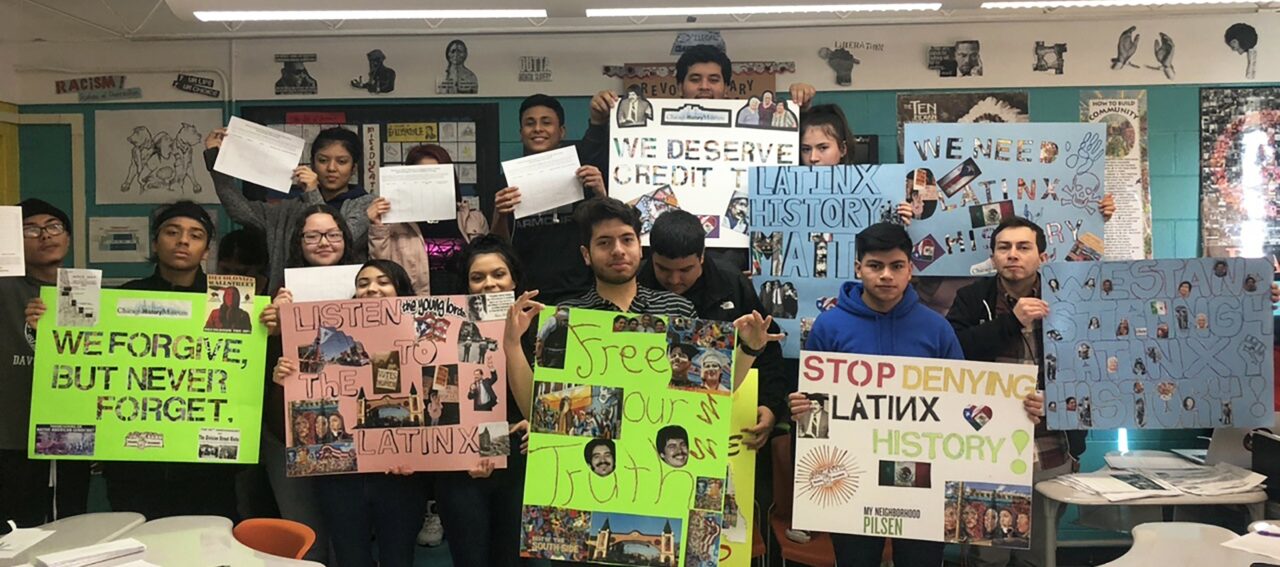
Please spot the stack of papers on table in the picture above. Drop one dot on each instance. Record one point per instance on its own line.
(1121, 485)
(111, 554)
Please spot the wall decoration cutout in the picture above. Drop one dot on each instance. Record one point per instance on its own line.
(153, 156)
(1127, 48)
(964, 59)
(1243, 39)
(1049, 57)
(196, 85)
(382, 79)
(294, 77)
(534, 69)
(458, 79)
(658, 80)
(686, 39)
(842, 62)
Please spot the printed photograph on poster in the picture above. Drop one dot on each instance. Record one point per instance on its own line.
(1049, 57)
(65, 440)
(1238, 163)
(1051, 174)
(1243, 40)
(1168, 344)
(79, 297)
(1127, 47)
(966, 108)
(294, 77)
(320, 442)
(888, 473)
(842, 62)
(119, 239)
(381, 78)
(229, 303)
(1128, 232)
(457, 79)
(153, 156)
(634, 110)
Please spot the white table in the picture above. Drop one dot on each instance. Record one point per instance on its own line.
(78, 531)
(201, 541)
(1181, 544)
(1056, 494)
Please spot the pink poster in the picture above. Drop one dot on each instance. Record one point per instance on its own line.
(416, 382)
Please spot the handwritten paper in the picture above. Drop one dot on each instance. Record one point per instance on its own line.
(260, 155)
(546, 180)
(418, 193)
(12, 262)
(322, 283)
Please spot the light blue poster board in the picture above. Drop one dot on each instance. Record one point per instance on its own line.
(803, 222)
(1158, 344)
(967, 177)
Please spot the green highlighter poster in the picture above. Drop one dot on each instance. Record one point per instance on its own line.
(629, 439)
(155, 376)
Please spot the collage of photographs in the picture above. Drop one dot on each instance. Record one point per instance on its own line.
(613, 538)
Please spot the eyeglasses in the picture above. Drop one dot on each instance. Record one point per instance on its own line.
(53, 229)
(313, 238)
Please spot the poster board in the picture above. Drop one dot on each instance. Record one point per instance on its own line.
(414, 382)
(628, 454)
(696, 155)
(1128, 178)
(738, 523)
(1158, 344)
(968, 177)
(148, 382)
(897, 447)
(1238, 169)
(803, 223)
(153, 156)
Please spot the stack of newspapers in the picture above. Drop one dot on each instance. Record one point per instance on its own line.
(1117, 485)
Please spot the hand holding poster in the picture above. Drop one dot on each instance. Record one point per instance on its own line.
(148, 382)
(1158, 344)
(969, 177)
(696, 155)
(904, 447)
(628, 448)
(412, 382)
(803, 222)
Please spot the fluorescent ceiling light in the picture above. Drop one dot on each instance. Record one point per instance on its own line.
(337, 15)
(745, 10)
(1046, 4)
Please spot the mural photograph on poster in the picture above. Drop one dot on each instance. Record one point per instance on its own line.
(696, 155)
(395, 382)
(917, 449)
(966, 108)
(152, 156)
(1158, 344)
(1128, 233)
(801, 256)
(966, 178)
(607, 482)
(1240, 172)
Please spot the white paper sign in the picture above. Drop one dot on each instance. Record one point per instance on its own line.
(12, 258)
(119, 239)
(418, 193)
(909, 447)
(696, 155)
(260, 155)
(322, 283)
(547, 180)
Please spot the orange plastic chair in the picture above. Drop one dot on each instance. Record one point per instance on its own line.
(282, 538)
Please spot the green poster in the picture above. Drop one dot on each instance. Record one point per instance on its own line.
(145, 381)
(629, 439)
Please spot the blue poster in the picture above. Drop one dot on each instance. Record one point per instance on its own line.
(1158, 344)
(966, 178)
(803, 220)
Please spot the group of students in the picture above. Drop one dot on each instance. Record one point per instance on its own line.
(585, 255)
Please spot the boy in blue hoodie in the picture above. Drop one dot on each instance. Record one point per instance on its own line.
(881, 315)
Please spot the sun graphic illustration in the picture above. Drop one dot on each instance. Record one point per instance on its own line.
(828, 476)
(991, 109)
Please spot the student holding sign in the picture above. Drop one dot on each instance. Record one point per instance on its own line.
(546, 240)
(335, 158)
(26, 496)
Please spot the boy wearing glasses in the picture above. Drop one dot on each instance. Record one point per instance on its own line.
(27, 497)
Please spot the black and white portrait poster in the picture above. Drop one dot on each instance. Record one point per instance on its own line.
(1239, 172)
(1002, 106)
(295, 79)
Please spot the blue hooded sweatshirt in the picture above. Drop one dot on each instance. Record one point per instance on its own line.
(909, 329)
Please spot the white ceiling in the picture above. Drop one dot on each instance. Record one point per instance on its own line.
(140, 20)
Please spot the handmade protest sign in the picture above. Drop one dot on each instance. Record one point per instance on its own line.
(629, 439)
(696, 155)
(738, 527)
(803, 223)
(149, 381)
(1158, 344)
(414, 382)
(966, 178)
(915, 448)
